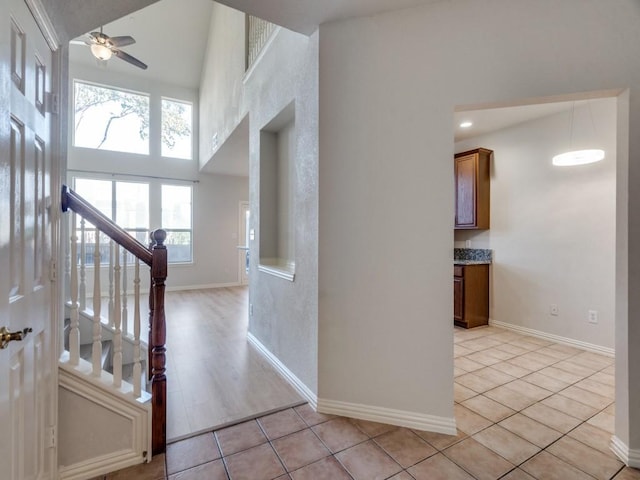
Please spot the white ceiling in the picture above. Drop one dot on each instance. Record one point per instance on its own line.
(304, 16)
(170, 38)
(489, 120)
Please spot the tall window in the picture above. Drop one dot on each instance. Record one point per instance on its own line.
(176, 128)
(107, 118)
(176, 220)
(128, 204)
(132, 209)
(110, 118)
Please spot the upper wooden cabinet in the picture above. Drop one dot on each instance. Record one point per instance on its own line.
(473, 189)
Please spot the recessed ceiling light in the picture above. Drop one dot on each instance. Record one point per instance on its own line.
(578, 157)
(466, 124)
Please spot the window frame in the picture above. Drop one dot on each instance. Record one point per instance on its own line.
(191, 126)
(155, 207)
(180, 230)
(119, 89)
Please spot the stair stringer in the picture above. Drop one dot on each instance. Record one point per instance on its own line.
(88, 407)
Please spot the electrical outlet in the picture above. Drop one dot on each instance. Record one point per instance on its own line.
(467, 244)
(553, 309)
(593, 316)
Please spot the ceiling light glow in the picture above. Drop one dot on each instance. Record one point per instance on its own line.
(466, 124)
(101, 52)
(578, 157)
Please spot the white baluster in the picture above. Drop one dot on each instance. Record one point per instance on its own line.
(67, 267)
(83, 279)
(117, 319)
(111, 320)
(137, 367)
(74, 331)
(96, 350)
(125, 310)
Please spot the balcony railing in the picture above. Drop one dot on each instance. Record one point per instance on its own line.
(258, 33)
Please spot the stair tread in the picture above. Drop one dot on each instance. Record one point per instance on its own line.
(86, 352)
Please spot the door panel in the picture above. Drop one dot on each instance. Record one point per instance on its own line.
(458, 298)
(465, 176)
(27, 372)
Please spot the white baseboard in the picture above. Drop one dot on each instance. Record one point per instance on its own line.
(418, 421)
(178, 288)
(609, 352)
(631, 458)
(429, 423)
(302, 389)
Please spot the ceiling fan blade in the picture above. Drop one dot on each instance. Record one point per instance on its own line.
(122, 41)
(128, 58)
(86, 39)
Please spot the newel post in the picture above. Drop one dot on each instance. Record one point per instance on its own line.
(157, 340)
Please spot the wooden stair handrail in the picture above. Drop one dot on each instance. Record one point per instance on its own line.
(157, 341)
(72, 201)
(155, 256)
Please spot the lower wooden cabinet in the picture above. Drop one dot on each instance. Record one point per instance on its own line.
(471, 295)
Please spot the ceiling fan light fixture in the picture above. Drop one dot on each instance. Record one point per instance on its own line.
(578, 157)
(101, 52)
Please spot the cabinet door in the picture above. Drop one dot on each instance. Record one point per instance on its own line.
(458, 298)
(465, 177)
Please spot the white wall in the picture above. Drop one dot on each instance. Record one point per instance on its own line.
(552, 228)
(215, 197)
(88, 429)
(285, 313)
(388, 88)
(221, 89)
(286, 171)
(215, 222)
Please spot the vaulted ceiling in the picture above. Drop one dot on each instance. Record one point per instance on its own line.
(75, 17)
(170, 39)
(304, 16)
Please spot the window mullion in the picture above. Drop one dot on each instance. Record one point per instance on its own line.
(155, 206)
(114, 211)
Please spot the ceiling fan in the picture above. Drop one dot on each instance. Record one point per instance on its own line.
(103, 47)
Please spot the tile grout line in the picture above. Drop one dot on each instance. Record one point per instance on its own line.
(582, 422)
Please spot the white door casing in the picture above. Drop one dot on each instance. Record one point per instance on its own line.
(243, 240)
(28, 368)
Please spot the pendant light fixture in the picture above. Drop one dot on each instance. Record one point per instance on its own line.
(578, 157)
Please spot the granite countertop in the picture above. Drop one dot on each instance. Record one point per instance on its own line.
(472, 256)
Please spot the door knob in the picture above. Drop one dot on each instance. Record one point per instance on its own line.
(6, 336)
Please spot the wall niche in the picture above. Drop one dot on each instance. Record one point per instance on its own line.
(277, 194)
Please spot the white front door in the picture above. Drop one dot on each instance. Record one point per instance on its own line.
(27, 367)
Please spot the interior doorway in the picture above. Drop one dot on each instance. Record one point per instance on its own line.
(544, 216)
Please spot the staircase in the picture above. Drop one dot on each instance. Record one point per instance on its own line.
(112, 383)
(106, 360)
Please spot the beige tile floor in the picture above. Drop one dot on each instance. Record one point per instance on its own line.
(525, 408)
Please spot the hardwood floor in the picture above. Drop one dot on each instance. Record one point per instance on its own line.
(214, 376)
